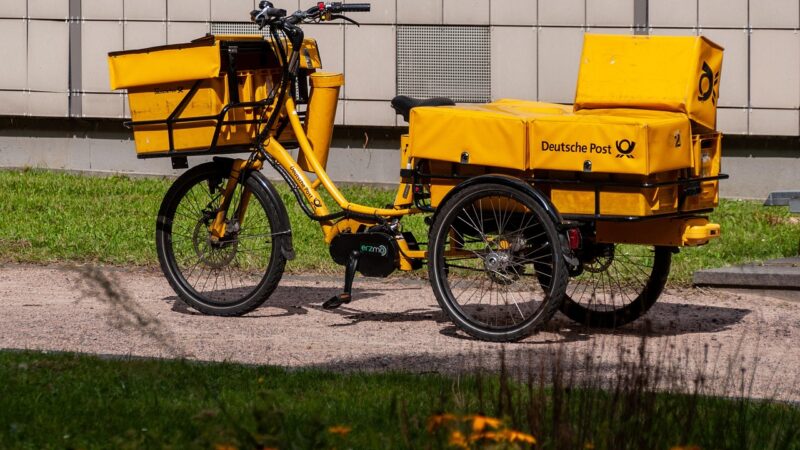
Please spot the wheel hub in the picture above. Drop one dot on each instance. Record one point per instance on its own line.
(600, 260)
(215, 253)
(496, 261)
(501, 269)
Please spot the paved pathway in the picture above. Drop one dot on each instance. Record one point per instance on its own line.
(392, 324)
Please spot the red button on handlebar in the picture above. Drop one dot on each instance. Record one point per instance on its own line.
(321, 6)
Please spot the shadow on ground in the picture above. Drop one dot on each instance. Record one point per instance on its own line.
(292, 300)
(664, 319)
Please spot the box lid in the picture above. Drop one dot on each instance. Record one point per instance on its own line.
(165, 64)
(667, 73)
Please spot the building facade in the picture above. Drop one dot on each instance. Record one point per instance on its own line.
(473, 50)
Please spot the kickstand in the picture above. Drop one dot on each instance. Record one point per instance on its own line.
(350, 273)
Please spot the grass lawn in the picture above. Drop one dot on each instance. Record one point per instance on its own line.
(56, 217)
(69, 401)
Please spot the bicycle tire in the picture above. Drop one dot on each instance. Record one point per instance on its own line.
(515, 250)
(258, 270)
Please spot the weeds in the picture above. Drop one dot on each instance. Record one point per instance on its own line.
(124, 312)
(650, 398)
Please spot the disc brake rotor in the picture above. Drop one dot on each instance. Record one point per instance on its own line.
(213, 254)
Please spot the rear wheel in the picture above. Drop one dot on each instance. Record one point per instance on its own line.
(231, 275)
(495, 262)
(618, 284)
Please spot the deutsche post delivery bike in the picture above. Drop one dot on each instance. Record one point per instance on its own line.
(532, 207)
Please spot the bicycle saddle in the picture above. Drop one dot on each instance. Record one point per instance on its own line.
(403, 104)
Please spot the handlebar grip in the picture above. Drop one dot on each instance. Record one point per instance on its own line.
(351, 7)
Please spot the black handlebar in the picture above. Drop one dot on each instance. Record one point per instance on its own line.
(268, 14)
(275, 12)
(337, 7)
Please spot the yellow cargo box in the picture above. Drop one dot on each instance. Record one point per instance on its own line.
(708, 156)
(520, 135)
(621, 141)
(493, 134)
(148, 103)
(166, 64)
(667, 73)
(189, 81)
(615, 200)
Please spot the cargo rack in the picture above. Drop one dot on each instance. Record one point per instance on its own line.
(230, 49)
(689, 187)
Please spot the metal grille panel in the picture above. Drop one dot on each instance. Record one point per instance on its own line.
(234, 28)
(444, 61)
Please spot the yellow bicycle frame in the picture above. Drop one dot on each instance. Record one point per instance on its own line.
(303, 183)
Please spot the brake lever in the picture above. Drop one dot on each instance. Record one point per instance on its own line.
(340, 16)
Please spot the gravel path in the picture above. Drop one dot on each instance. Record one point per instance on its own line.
(391, 324)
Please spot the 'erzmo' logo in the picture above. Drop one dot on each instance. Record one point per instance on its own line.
(625, 148)
(377, 249)
(708, 87)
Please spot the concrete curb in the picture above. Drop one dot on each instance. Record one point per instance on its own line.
(779, 273)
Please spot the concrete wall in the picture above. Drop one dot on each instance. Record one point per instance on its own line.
(55, 50)
(54, 54)
(758, 166)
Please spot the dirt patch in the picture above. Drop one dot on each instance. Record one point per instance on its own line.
(392, 324)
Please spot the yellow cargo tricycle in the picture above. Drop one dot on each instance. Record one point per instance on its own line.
(532, 207)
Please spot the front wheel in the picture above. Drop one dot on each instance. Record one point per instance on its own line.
(618, 284)
(495, 263)
(226, 276)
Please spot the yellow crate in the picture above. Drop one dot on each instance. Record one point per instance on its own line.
(707, 155)
(159, 78)
(708, 198)
(667, 73)
(616, 200)
(707, 150)
(158, 102)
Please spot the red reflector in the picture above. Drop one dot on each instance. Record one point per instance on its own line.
(574, 238)
(321, 6)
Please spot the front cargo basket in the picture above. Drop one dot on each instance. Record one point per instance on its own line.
(210, 96)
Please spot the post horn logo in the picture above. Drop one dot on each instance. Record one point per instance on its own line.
(625, 148)
(708, 85)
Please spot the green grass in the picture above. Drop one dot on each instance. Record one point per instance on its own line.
(53, 217)
(69, 401)
(750, 233)
(56, 217)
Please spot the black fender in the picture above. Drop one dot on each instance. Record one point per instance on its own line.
(284, 226)
(512, 182)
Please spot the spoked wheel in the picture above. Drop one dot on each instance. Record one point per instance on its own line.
(619, 284)
(495, 262)
(226, 276)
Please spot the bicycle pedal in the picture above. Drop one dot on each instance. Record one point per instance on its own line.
(337, 301)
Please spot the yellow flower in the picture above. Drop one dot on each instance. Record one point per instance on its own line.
(518, 436)
(458, 440)
(437, 421)
(224, 447)
(340, 430)
(503, 436)
(479, 423)
(588, 446)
